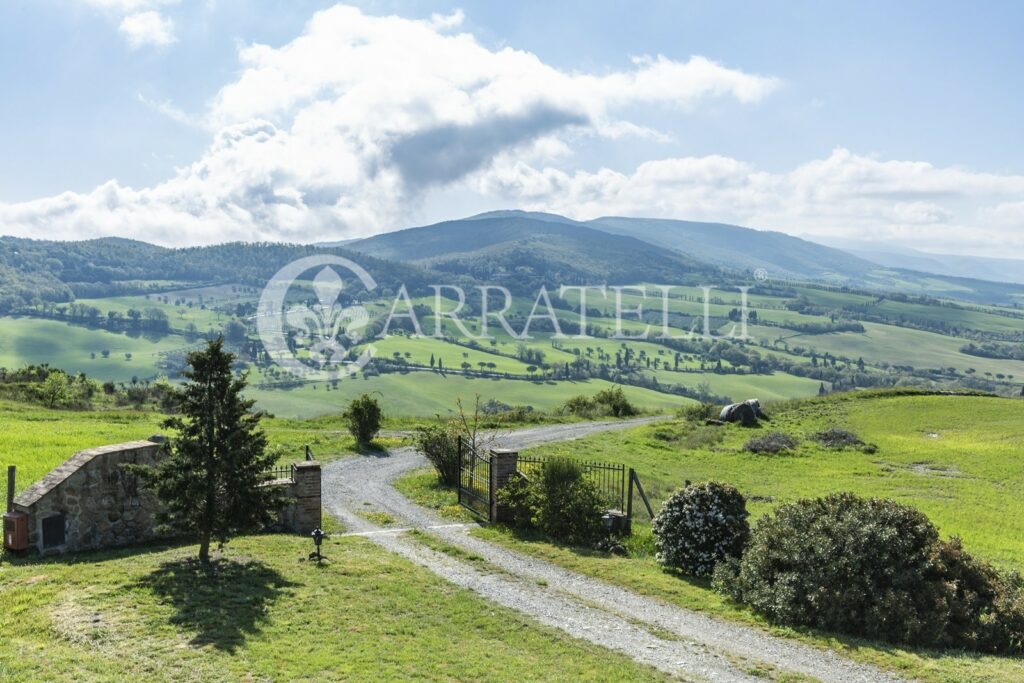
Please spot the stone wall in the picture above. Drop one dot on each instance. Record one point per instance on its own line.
(91, 502)
(302, 513)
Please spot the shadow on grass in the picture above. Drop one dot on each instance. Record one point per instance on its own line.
(373, 450)
(157, 545)
(224, 603)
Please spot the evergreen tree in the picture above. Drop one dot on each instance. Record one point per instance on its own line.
(209, 480)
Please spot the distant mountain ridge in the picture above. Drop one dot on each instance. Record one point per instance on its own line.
(953, 265)
(783, 256)
(519, 250)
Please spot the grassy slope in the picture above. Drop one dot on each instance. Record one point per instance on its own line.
(429, 393)
(62, 345)
(904, 346)
(269, 615)
(36, 440)
(956, 458)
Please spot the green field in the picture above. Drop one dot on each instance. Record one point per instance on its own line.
(956, 458)
(888, 351)
(905, 346)
(267, 614)
(432, 393)
(70, 347)
(36, 440)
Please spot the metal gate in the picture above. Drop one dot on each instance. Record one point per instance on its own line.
(475, 484)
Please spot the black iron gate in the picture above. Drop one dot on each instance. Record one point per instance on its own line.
(475, 483)
(610, 480)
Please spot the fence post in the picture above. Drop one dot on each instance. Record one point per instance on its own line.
(504, 463)
(458, 484)
(629, 503)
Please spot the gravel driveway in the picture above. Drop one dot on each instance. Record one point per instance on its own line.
(678, 641)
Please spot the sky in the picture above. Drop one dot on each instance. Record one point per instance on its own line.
(185, 122)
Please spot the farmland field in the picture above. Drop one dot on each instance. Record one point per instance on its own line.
(430, 393)
(71, 347)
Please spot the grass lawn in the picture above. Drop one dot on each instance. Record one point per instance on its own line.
(955, 458)
(267, 614)
(36, 439)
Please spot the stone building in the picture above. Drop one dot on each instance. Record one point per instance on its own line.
(91, 502)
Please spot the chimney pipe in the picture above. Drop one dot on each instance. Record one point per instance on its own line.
(10, 487)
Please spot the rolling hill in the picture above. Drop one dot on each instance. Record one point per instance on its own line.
(784, 257)
(521, 250)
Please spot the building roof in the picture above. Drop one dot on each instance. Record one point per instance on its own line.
(58, 475)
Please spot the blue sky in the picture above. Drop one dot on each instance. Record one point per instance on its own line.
(893, 122)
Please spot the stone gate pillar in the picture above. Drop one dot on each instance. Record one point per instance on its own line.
(504, 463)
(306, 490)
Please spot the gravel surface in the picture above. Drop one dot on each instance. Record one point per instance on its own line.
(698, 647)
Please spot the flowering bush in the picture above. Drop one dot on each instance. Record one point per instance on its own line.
(699, 526)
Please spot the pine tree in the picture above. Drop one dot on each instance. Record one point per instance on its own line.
(209, 480)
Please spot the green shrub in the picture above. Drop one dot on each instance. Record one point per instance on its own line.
(611, 402)
(771, 443)
(699, 412)
(615, 403)
(581, 406)
(440, 444)
(699, 526)
(364, 417)
(519, 496)
(558, 501)
(876, 569)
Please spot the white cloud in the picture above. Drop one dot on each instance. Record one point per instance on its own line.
(147, 28)
(842, 195)
(446, 21)
(170, 110)
(347, 128)
(140, 21)
(350, 127)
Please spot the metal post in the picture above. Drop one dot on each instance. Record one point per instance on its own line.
(491, 503)
(11, 470)
(622, 486)
(458, 486)
(629, 503)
